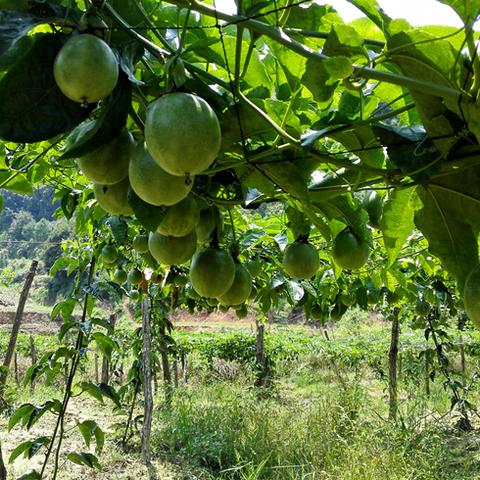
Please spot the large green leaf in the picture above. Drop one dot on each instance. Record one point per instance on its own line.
(467, 10)
(397, 221)
(16, 24)
(421, 56)
(450, 222)
(32, 108)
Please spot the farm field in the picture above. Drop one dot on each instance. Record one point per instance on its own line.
(323, 415)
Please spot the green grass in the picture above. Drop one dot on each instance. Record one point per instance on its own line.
(314, 424)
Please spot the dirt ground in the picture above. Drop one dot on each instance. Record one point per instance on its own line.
(115, 464)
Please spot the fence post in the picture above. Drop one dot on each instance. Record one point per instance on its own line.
(16, 325)
(392, 367)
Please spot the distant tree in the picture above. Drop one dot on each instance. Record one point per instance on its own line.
(59, 284)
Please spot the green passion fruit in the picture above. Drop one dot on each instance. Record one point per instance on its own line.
(372, 203)
(120, 276)
(135, 276)
(240, 289)
(210, 218)
(109, 253)
(180, 219)
(134, 294)
(113, 198)
(349, 250)
(85, 69)
(182, 133)
(140, 243)
(212, 272)
(109, 163)
(156, 278)
(153, 184)
(300, 260)
(241, 312)
(172, 250)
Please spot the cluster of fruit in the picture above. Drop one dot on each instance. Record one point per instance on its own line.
(182, 139)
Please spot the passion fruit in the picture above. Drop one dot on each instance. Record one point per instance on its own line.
(113, 198)
(300, 260)
(349, 250)
(140, 243)
(182, 133)
(172, 250)
(180, 219)
(212, 272)
(135, 276)
(109, 253)
(109, 163)
(240, 289)
(210, 218)
(120, 276)
(153, 184)
(85, 69)
(372, 202)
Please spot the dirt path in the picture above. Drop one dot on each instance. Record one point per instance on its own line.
(115, 464)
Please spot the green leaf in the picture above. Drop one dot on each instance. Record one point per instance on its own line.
(119, 229)
(450, 222)
(92, 390)
(343, 40)
(22, 413)
(84, 458)
(65, 308)
(287, 176)
(105, 344)
(372, 10)
(111, 119)
(89, 428)
(397, 221)
(313, 17)
(339, 67)
(29, 448)
(41, 111)
(33, 475)
(148, 215)
(16, 24)
(316, 79)
(466, 10)
(18, 183)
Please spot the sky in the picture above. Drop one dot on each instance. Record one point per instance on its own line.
(417, 12)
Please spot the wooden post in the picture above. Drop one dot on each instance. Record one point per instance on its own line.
(260, 356)
(16, 326)
(427, 376)
(175, 372)
(15, 366)
(184, 368)
(3, 470)
(147, 381)
(392, 367)
(33, 358)
(462, 358)
(167, 374)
